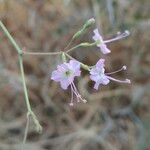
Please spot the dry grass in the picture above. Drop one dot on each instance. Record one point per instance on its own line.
(115, 117)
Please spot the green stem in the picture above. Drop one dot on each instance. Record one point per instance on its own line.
(24, 83)
(68, 44)
(81, 45)
(26, 131)
(19, 51)
(40, 53)
(10, 38)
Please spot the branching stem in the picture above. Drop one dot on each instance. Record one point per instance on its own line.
(20, 59)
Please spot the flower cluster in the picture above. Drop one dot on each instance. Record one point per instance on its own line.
(67, 71)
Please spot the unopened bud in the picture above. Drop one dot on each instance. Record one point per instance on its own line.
(76, 35)
(64, 57)
(89, 23)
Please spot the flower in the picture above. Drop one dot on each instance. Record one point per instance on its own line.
(65, 74)
(102, 44)
(99, 76)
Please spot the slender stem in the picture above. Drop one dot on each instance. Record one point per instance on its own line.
(26, 130)
(81, 45)
(60, 52)
(69, 44)
(75, 47)
(20, 58)
(24, 84)
(39, 53)
(70, 57)
(10, 38)
(20, 63)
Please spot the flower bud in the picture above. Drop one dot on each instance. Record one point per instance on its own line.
(64, 57)
(88, 23)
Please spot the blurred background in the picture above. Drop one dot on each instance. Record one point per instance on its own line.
(116, 117)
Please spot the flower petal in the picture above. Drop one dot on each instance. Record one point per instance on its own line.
(96, 31)
(105, 80)
(75, 65)
(104, 49)
(101, 44)
(96, 85)
(64, 84)
(95, 38)
(56, 76)
(94, 77)
(100, 63)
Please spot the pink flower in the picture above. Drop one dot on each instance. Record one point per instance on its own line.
(65, 74)
(102, 44)
(99, 76)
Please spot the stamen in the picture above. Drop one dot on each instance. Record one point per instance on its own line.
(120, 81)
(75, 89)
(71, 103)
(123, 68)
(77, 94)
(84, 100)
(128, 81)
(118, 37)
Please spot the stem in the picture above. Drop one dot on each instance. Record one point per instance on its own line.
(39, 53)
(10, 38)
(26, 131)
(71, 49)
(81, 45)
(24, 84)
(60, 52)
(69, 43)
(20, 58)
